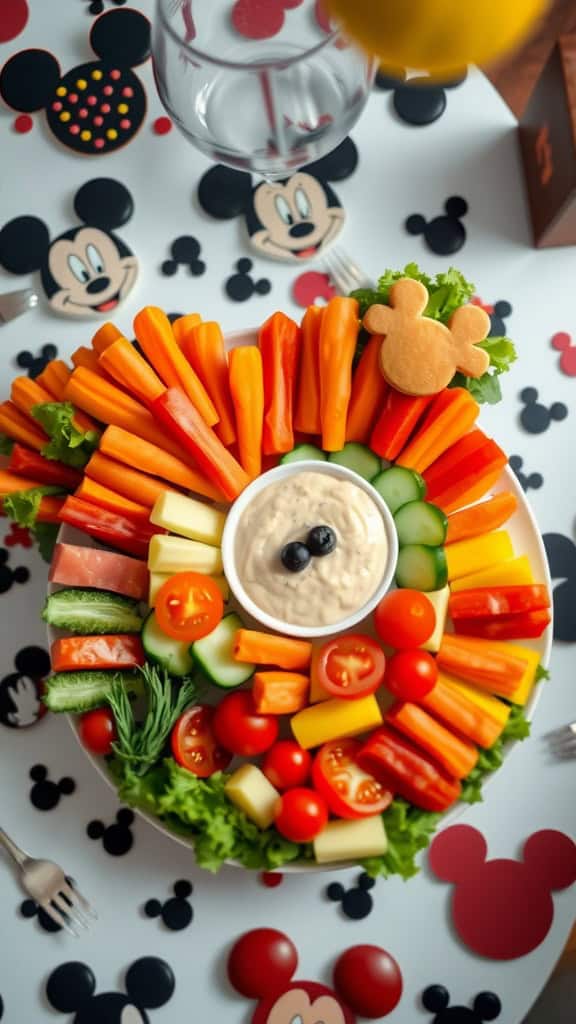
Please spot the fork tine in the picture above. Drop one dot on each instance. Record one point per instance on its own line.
(72, 910)
(76, 897)
(338, 278)
(59, 918)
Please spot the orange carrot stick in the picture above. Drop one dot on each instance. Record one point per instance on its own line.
(247, 393)
(489, 515)
(479, 662)
(154, 332)
(10, 483)
(105, 336)
(449, 418)
(204, 347)
(19, 427)
(368, 393)
(279, 693)
(134, 451)
(55, 380)
(457, 756)
(279, 344)
(96, 493)
(267, 649)
(462, 715)
(125, 480)
(307, 415)
(338, 336)
(86, 357)
(25, 394)
(122, 362)
(182, 327)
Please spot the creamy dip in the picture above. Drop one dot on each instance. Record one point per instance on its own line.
(331, 587)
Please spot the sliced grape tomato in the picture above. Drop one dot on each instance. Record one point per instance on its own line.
(349, 791)
(189, 605)
(194, 745)
(350, 666)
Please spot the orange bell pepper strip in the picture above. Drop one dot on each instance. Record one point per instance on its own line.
(338, 337)
(482, 518)
(247, 393)
(368, 393)
(307, 413)
(72, 653)
(279, 341)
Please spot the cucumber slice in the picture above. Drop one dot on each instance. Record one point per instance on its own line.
(359, 458)
(303, 452)
(82, 691)
(419, 522)
(92, 612)
(213, 654)
(173, 655)
(398, 485)
(421, 568)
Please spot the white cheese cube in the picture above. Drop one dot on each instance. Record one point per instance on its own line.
(175, 554)
(249, 789)
(439, 599)
(158, 578)
(351, 840)
(188, 518)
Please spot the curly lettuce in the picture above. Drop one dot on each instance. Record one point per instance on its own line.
(67, 443)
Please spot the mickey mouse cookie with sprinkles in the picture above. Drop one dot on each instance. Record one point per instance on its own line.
(98, 106)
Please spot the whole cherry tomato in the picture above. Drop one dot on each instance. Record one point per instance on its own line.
(98, 731)
(287, 765)
(301, 815)
(239, 728)
(410, 675)
(405, 618)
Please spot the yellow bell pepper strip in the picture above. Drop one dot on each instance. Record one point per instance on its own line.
(531, 661)
(335, 719)
(468, 556)
(465, 716)
(514, 572)
(499, 671)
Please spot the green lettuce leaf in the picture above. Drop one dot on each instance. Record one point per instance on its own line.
(409, 830)
(541, 673)
(486, 389)
(67, 444)
(23, 506)
(45, 535)
(516, 728)
(6, 445)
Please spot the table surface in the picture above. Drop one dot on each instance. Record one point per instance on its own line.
(471, 151)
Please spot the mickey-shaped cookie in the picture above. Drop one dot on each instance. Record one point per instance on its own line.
(149, 984)
(419, 356)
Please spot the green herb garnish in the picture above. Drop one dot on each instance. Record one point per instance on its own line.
(23, 506)
(67, 444)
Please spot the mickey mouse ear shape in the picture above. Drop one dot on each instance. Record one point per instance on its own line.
(502, 308)
(29, 79)
(487, 1006)
(415, 224)
(121, 38)
(24, 243)
(561, 553)
(32, 661)
(456, 206)
(150, 982)
(261, 962)
(103, 203)
(224, 193)
(70, 986)
(551, 857)
(435, 998)
(457, 852)
(389, 78)
(337, 165)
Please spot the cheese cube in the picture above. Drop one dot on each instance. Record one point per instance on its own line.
(439, 599)
(335, 719)
(515, 572)
(249, 789)
(351, 840)
(466, 556)
(158, 578)
(188, 518)
(175, 554)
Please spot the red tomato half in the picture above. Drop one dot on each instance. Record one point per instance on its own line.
(350, 666)
(405, 618)
(194, 745)
(287, 765)
(189, 606)
(410, 675)
(301, 814)
(98, 731)
(349, 791)
(239, 728)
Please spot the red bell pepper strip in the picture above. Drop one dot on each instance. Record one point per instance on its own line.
(456, 458)
(175, 412)
(108, 527)
(400, 766)
(449, 486)
(68, 654)
(279, 341)
(397, 422)
(26, 462)
(524, 626)
(484, 602)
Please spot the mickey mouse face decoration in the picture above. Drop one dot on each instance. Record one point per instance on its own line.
(290, 220)
(149, 984)
(86, 271)
(21, 691)
(96, 107)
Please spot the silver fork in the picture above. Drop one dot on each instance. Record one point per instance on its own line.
(562, 741)
(13, 304)
(345, 275)
(47, 884)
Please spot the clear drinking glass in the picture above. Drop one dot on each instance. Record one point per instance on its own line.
(268, 104)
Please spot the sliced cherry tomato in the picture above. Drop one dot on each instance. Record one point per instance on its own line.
(410, 675)
(405, 618)
(98, 731)
(301, 814)
(239, 728)
(189, 606)
(350, 666)
(349, 791)
(194, 745)
(287, 765)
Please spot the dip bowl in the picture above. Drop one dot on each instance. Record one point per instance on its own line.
(277, 475)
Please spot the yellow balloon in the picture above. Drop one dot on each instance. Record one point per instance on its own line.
(437, 35)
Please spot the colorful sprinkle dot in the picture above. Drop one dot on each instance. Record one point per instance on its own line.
(111, 133)
(91, 101)
(123, 108)
(73, 98)
(108, 90)
(81, 83)
(74, 129)
(96, 75)
(105, 108)
(125, 124)
(57, 106)
(82, 112)
(85, 136)
(65, 115)
(98, 120)
(162, 125)
(115, 75)
(127, 92)
(23, 123)
(99, 143)
(61, 91)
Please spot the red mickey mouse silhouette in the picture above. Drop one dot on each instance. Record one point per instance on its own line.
(260, 19)
(261, 965)
(562, 342)
(503, 908)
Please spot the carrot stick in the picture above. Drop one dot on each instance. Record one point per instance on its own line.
(279, 344)
(28, 463)
(450, 416)
(96, 493)
(154, 333)
(268, 649)
(71, 653)
(279, 693)
(457, 756)
(489, 515)
(87, 358)
(338, 336)
(307, 415)
(50, 508)
(54, 379)
(129, 482)
(247, 393)
(397, 421)
(183, 325)
(122, 362)
(368, 393)
(19, 428)
(204, 347)
(25, 394)
(462, 715)
(478, 662)
(125, 447)
(10, 483)
(105, 335)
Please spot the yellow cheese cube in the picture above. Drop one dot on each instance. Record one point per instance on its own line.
(175, 554)
(494, 707)
(532, 659)
(334, 719)
(351, 840)
(466, 556)
(515, 572)
(249, 789)
(188, 517)
(439, 599)
(158, 578)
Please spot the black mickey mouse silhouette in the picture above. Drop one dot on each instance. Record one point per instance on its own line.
(561, 552)
(21, 691)
(176, 913)
(535, 417)
(501, 311)
(532, 482)
(184, 251)
(292, 220)
(97, 6)
(436, 999)
(241, 285)
(29, 909)
(45, 794)
(357, 902)
(35, 364)
(8, 576)
(149, 984)
(85, 271)
(445, 234)
(117, 839)
(96, 107)
(419, 100)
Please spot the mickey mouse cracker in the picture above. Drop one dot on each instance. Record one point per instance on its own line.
(419, 356)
